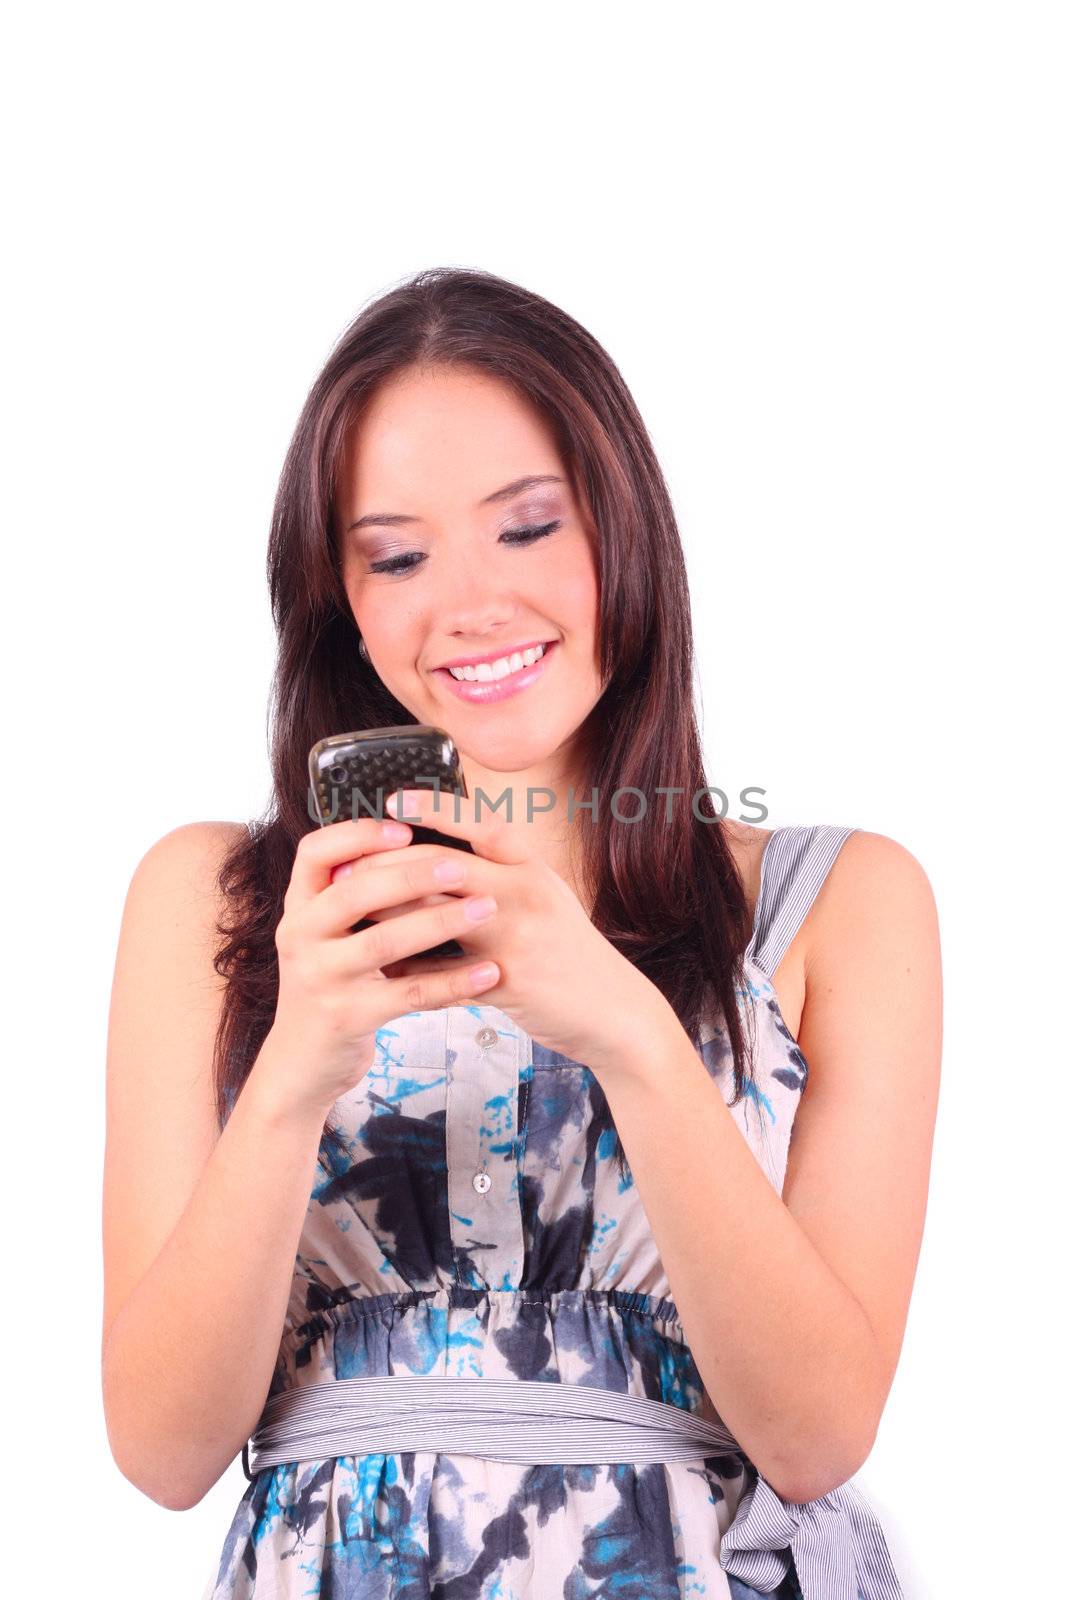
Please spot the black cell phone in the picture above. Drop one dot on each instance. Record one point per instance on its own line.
(352, 773)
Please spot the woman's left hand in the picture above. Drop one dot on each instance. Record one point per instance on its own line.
(560, 980)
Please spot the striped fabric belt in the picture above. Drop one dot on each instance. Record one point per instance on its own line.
(836, 1542)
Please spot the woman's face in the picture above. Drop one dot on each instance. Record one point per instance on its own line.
(439, 568)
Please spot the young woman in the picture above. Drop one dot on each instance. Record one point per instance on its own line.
(500, 1259)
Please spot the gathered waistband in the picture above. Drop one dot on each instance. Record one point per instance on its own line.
(498, 1419)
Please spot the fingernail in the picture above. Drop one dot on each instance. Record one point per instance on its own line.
(485, 974)
(395, 831)
(483, 906)
(449, 872)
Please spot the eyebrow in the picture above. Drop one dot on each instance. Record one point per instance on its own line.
(392, 519)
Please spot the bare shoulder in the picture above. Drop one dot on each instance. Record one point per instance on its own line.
(173, 895)
(874, 882)
(189, 855)
(166, 998)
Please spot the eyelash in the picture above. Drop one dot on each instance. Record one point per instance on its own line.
(521, 536)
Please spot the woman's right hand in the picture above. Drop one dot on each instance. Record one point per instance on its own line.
(332, 993)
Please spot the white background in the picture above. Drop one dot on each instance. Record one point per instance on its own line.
(825, 246)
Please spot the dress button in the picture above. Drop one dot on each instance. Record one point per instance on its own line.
(482, 1182)
(486, 1036)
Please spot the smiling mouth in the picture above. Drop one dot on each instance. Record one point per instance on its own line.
(501, 668)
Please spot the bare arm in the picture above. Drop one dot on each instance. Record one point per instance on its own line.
(795, 1307)
(201, 1231)
(197, 1282)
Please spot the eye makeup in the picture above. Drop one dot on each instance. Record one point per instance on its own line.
(409, 560)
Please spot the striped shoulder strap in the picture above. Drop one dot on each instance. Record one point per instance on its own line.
(793, 870)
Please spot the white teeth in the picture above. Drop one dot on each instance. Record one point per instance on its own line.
(489, 671)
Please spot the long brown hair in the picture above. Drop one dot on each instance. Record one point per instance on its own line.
(669, 897)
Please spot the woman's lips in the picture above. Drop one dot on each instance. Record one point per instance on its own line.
(497, 688)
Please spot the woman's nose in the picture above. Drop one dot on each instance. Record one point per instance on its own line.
(472, 604)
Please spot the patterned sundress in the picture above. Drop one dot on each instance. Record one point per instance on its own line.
(411, 1263)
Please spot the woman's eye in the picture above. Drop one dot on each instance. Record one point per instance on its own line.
(411, 559)
(528, 535)
(396, 563)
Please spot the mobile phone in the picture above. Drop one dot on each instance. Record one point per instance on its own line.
(352, 773)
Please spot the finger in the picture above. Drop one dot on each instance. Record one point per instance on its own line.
(378, 946)
(490, 834)
(323, 849)
(392, 880)
(443, 854)
(387, 998)
(430, 807)
(383, 913)
(432, 991)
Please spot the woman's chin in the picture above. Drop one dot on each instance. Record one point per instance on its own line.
(505, 750)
